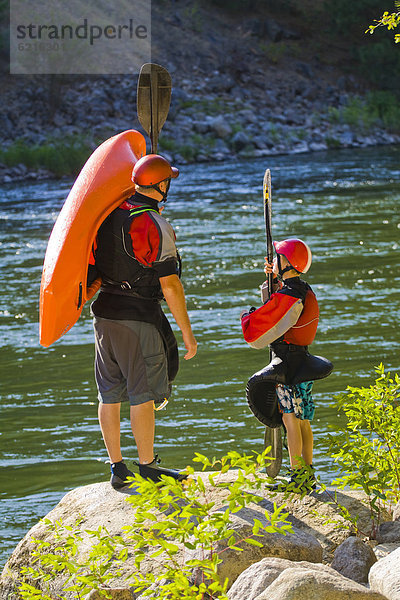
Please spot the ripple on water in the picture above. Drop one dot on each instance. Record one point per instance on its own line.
(344, 204)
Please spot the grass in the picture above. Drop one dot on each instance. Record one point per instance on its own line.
(61, 157)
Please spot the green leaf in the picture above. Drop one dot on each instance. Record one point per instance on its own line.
(254, 542)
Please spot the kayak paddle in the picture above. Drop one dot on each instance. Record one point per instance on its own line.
(153, 100)
(272, 436)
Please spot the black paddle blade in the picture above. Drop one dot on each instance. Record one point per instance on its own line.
(273, 438)
(153, 100)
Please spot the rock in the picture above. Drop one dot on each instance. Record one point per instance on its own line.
(220, 148)
(201, 127)
(260, 142)
(388, 532)
(299, 148)
(346, 138)
(353, 559)
(320, 516)
(276, 32)
(396, 512)
(317, 146)
(306, 70)
(382, 550)
(293, 117)
(296, 546)
(88, 501)
(310, 92)
(99, 505)
(314, 519)
(255, 27)
(248, 116)
(254, 580)
(114, 594)
(220, 83)
(220, 126)
(384, 576)
(316, 584)
(240, 141)
(278, 579)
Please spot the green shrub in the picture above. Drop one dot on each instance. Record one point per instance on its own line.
(367, 451)
(61, 157)
(168, 516)
(375, 57)
(375, 109)
(345, 16)
(380, 62)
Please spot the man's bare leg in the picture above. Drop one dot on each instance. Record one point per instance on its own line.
(143, 428)
(109, 419)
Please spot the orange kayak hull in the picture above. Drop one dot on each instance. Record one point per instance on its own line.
(102, 185)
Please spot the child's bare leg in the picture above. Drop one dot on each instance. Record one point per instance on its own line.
(307, 437)
(294, 438)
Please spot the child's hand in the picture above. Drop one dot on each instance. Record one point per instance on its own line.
(268, 267)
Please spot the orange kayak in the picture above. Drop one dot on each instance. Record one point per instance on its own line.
(102, 185)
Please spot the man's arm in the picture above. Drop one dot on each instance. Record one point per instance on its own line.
(175, 297)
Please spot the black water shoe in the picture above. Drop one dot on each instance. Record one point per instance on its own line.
(153, 471)
(119, 475)
(300, 481)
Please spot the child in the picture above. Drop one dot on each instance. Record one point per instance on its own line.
(287, 322)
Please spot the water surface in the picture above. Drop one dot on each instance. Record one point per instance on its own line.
(345, 204)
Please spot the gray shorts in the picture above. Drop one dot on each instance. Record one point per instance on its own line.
(130, 362)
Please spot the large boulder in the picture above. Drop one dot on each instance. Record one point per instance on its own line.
(256, 578)
(95, 505)
(220, 126)
(315, 584)
(321, 516)
(99, 505)
(388, 533)
(278, 579)
(384, 576)
(314, 519)
(296, 546)
(382, 550)
(353, 559)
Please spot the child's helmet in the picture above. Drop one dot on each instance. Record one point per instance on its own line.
(152, 169)
(296, 252)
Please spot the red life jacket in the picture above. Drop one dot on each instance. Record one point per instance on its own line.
(303, 333)
(290, 315)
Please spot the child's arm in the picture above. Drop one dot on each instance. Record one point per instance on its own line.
(266, 324)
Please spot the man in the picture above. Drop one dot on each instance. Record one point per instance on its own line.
(136, 350)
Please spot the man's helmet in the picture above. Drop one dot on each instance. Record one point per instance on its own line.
(296, 252)
(152, 169)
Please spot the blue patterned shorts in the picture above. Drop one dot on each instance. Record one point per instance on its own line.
(296, 399)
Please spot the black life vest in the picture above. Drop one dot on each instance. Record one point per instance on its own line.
(120, 271)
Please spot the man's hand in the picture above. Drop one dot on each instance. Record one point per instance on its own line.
(190, 345)
(175, 296)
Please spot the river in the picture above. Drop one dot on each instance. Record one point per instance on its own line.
(345, 204)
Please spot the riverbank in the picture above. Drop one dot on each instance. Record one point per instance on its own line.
(320, 543)
(265, 84)
(205, 128)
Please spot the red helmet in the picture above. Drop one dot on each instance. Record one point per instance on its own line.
(296, 252)
(152, 169)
